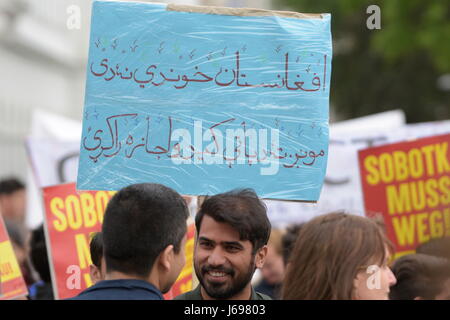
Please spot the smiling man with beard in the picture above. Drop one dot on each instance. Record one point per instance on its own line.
(232, 234)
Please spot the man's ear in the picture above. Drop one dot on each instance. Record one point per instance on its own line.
(165, 258)
(94, 273)
(260, 257)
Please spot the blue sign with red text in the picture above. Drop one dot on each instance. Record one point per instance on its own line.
(205, 102)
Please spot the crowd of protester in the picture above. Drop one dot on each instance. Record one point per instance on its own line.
(140, 252)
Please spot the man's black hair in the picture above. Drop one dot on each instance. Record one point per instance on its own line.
(96, 249)
(10, 185)
(288, 240)
(140, 221)
(243, 211)
(419, 275)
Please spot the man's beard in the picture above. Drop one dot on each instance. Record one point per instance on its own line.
(224, 290)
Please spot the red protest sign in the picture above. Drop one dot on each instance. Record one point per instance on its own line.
(70, 218)
(409, 184)
(12, 284)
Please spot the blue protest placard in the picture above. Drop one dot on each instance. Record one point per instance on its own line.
(205, 100)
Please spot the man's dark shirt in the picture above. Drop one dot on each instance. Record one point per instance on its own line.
(272, 291)
(124, 289)
(196, 295)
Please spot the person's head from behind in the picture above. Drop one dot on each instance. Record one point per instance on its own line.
(339, 256)
(420, 276)
(144, 234)
(273, 268)
(232, 233)
(288, 241)
(12, 200)
(97, 269)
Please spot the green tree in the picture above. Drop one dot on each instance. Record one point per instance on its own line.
(397, 66)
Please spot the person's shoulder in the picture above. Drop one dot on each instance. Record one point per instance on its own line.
(183, 296)
(87, 294)
(120, 290)
(190, 295)
(83, 296)
(261, 296)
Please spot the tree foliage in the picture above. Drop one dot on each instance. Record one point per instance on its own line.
(396, 67)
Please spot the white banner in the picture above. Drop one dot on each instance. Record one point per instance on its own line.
(342, 188)
(53, 148)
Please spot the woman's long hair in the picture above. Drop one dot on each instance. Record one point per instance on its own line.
(329, 253)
